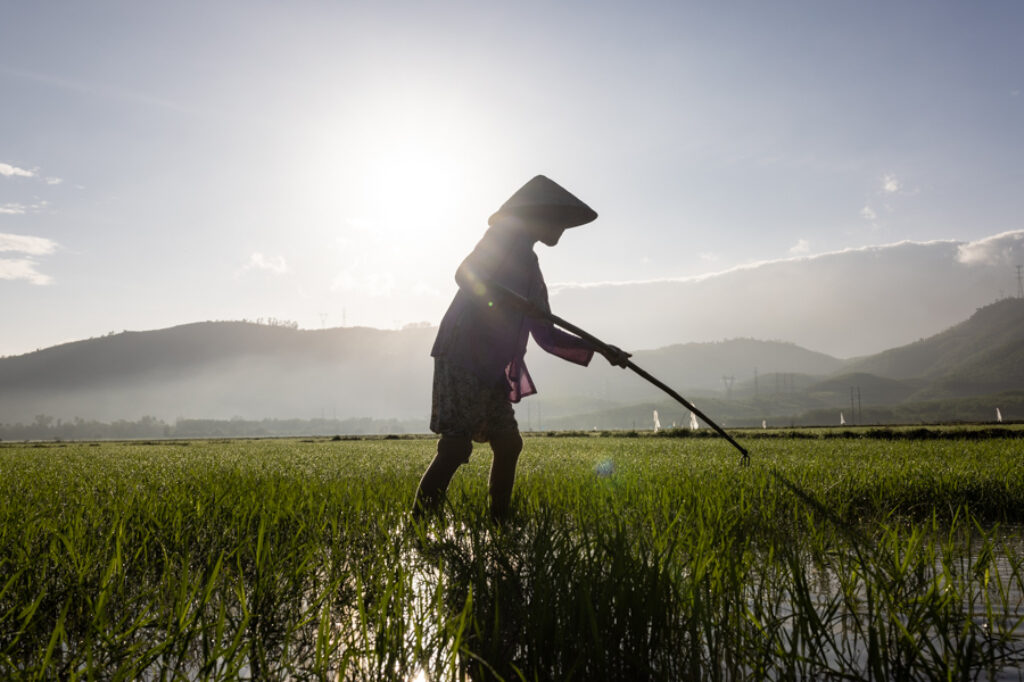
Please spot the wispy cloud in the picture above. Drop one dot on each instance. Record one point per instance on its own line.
(358, 280)
(16, 208)
(557, 286)
(9, 171)
(423, 289)
(23, 268)
(868, 213)
(891, 184)
(99, 89)
(1006, 248)
(258, 261)
(801, 247)
(21, 243)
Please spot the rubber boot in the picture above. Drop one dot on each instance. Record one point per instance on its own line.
(451, 454)
(503, 473)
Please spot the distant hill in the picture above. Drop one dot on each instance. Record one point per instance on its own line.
(224, 370)
(962, 373)
(237, 369)
(845, 303)
(983, 354)
(694, 368)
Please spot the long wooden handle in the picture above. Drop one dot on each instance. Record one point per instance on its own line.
(533, 311)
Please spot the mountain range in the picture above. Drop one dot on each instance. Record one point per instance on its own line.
(845, 303)
(232, 370)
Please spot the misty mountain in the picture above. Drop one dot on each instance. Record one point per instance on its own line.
(982, 355)
(223, 370)
(699, 369)
(849, 303)
(962, 373)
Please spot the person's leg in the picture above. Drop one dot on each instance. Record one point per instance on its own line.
(452, 452)
(506, 447)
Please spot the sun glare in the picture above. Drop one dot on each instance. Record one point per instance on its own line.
(393, 191)
(409, 190)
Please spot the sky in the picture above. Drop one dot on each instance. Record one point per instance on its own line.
(330, 163)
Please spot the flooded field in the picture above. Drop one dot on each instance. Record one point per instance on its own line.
(626, 558)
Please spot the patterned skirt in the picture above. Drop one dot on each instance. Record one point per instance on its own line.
(466, 407)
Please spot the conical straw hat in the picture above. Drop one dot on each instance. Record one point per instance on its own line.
(544, 199)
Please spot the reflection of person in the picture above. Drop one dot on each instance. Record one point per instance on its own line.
(478, 354)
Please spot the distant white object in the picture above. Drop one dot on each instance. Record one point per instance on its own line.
(842, 419)
(999, 415)
(657, 422)
(764, 423)
(694, 424)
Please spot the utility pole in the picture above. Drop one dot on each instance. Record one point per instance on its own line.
(1020, 282)
(853, 414)
(860, 411)
(728, 382)
(755, 383)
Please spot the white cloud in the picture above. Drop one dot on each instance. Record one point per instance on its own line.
(868, 213)
(421, 288)
(891, 184)
(1006, 248)
(33, 246)
(22, 268)
(9, 171)
(371, 283)
(709, 257)
(13, 208)
(754, 265)
(257, 261)
(897, 293)
(802, 246)
(54, 181)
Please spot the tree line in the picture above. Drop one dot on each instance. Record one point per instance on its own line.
(46, 427)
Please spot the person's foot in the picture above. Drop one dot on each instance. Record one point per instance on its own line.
(425, 507)
(502, 515)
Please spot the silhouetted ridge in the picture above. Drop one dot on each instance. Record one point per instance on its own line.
(187, 348)
(985, 344)
(223, 370)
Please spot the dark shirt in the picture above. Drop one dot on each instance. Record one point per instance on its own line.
(489, 337)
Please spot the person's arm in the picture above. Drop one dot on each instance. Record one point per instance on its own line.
(572, 348)
(560, 343)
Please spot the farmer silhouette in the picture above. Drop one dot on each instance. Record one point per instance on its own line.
(478, 354)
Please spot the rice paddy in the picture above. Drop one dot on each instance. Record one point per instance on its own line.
(626, 558)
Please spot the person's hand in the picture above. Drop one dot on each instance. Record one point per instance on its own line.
(616, 356)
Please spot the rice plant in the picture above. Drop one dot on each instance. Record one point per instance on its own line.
(626, 558)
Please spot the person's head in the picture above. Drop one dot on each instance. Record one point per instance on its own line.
(532, 228)
(543, 209)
